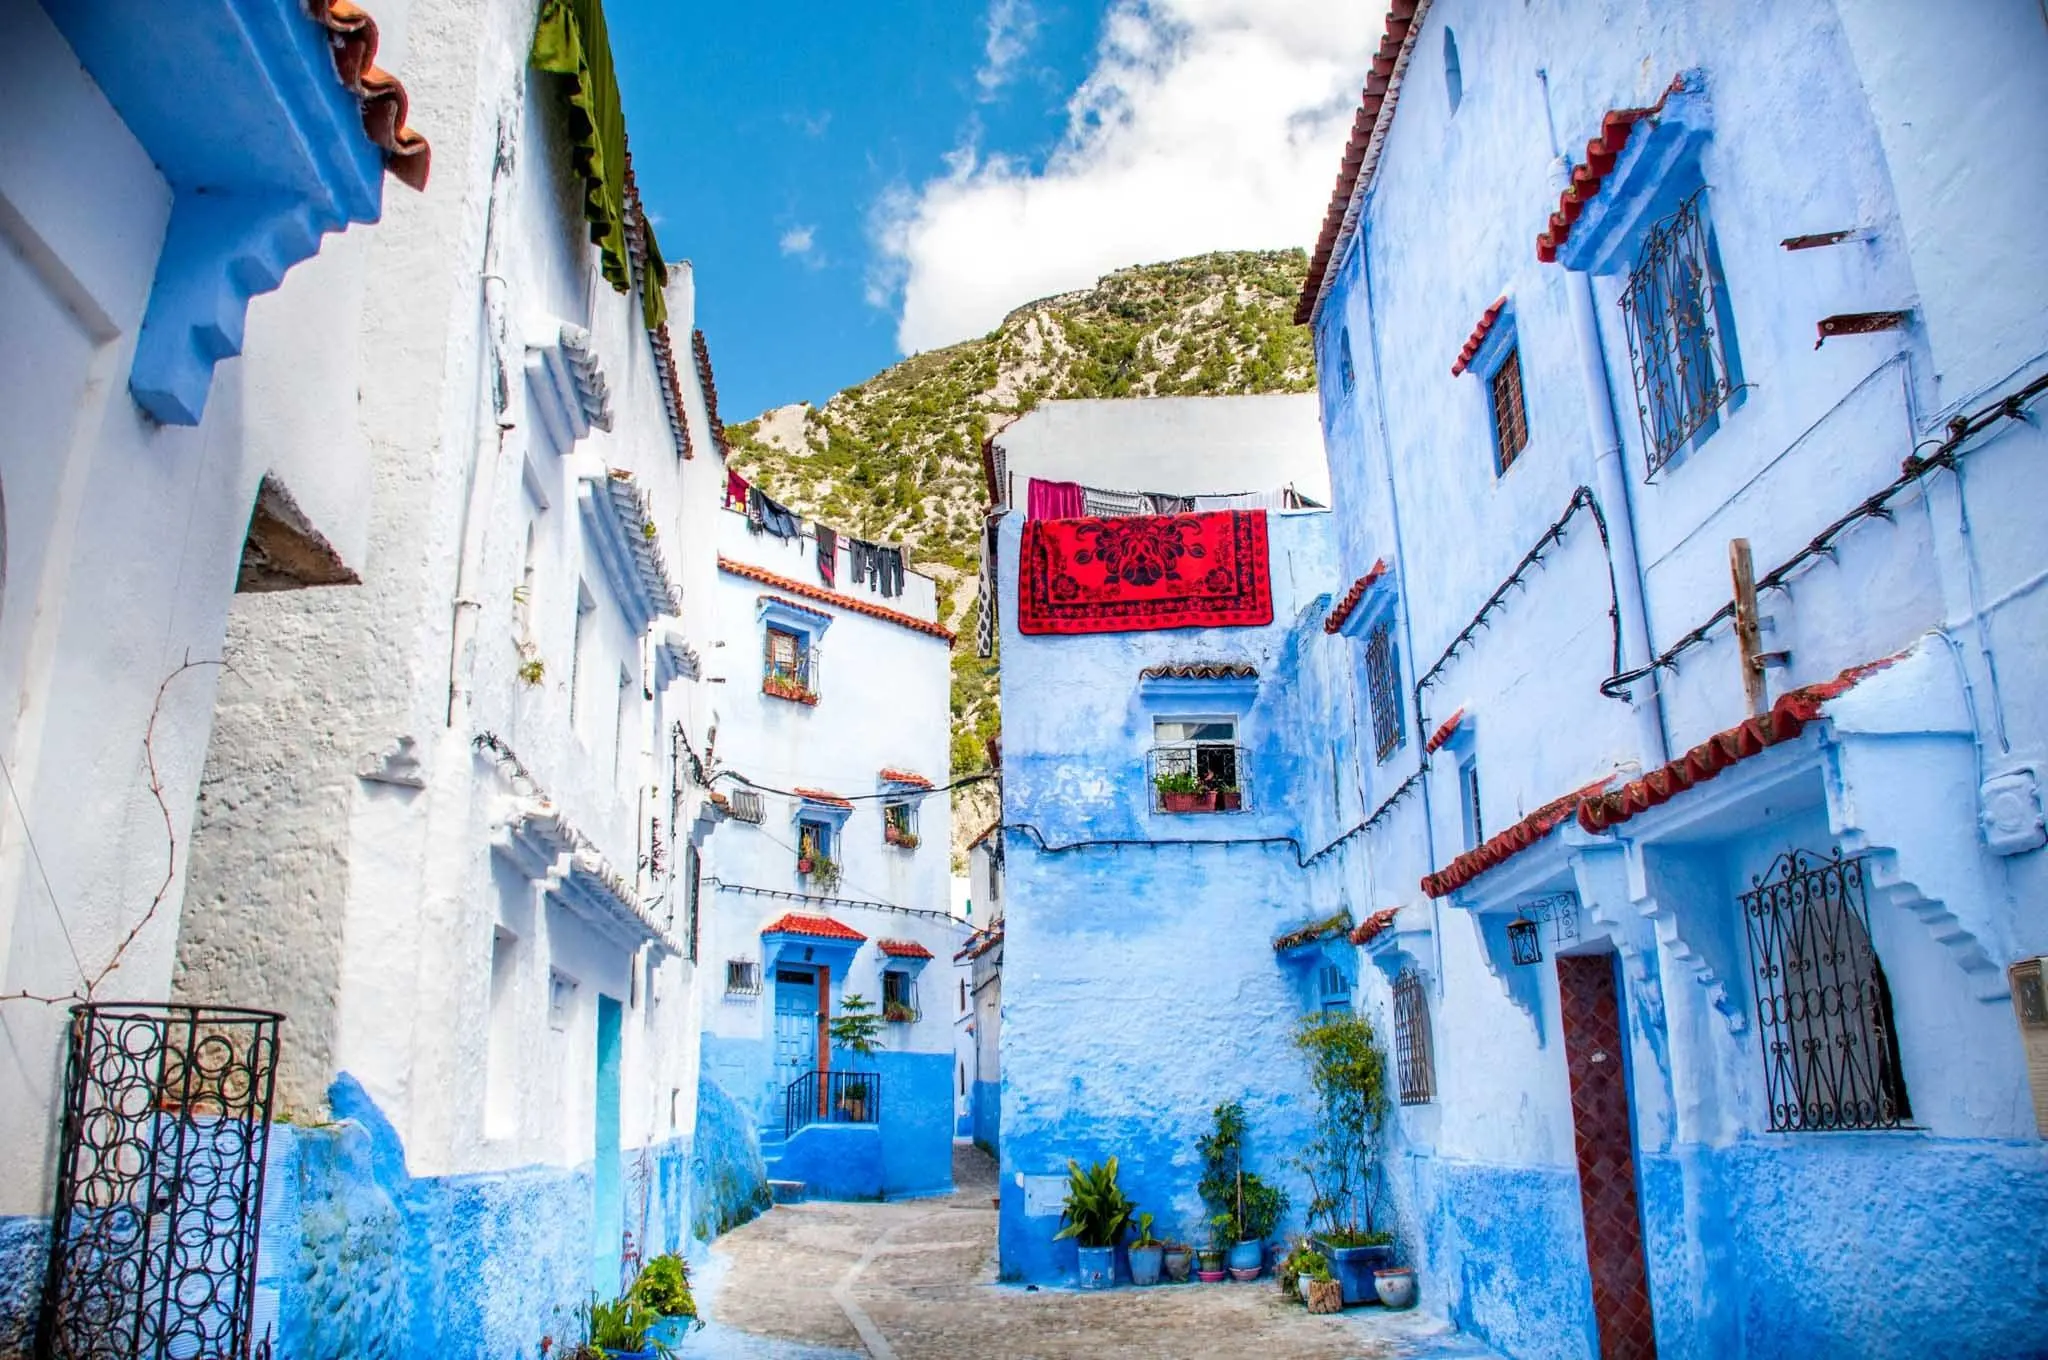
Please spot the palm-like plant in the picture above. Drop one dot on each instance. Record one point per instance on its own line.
(1097, 1211)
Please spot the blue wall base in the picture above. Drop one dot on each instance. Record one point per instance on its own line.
(24, 1255)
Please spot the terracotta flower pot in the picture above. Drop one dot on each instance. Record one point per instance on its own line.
(1181, 802)
(804, 866)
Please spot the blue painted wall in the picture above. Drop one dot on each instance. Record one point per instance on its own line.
(987, 1114)
(729, 1182)
(24, 1254)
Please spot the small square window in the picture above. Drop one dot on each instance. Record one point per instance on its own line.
(1468, 802)
(1196, 765)
(814, 854)
(742, 977)
(788, 670)
(899, 824)
(1510, 418)
(1680, 345)
(899, 997)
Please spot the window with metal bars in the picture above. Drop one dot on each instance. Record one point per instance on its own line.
(1824, 1009)
(1412, 1056)
(1510, 417)
(1468, 802)
(1383, 686)
(788, 666)
(746, 805)
(742, 977)
(899, 996)
(693, 886)
(1680, 345)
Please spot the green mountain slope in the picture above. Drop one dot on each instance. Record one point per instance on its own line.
(897, 459)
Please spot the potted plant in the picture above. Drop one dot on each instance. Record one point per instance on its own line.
(898, 1012)
(1230, 799)
(1288, 1272)
(618, 1330)
(1244, 1210)
(823, 871)
(853, 1100)
(858, 1030)
(1148, 1253)
(1180, 792)
(1319, 1285)
(1095, 1216)
(664, 1287)
(1177, 1259)
(1348, 1069)
(1395, 1285)
(1209, 1268)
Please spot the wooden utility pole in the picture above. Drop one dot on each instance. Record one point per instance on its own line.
(1749, 629)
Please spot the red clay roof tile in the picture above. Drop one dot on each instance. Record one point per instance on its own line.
(1372, 925)
(820, 796)
(893, 776)
(1591, 173)
(1478, 336)
(352, 42)
(751, 572)
(818, 927)
(1342, 610)
(1444, 733)
(904, 949)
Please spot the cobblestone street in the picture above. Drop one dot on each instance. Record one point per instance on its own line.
(916, 1281)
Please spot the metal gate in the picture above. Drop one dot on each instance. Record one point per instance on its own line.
(159, 1183)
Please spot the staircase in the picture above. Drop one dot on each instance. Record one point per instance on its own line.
(773, 1144)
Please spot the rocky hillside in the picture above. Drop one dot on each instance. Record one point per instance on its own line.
(898, 458)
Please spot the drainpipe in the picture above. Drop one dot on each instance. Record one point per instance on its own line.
(1610, 479)
(490, 450)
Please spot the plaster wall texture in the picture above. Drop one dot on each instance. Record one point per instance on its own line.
(123, 536)
(1138, 985)
(1180, 445)
(1891, 773)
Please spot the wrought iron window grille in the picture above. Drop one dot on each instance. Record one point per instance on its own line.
(746, 805)
(742, 977)
(159, 1199)
(1824, 1010)
(1510, 415)
(1413, 1056)
(789, 664)
(1675, 306)
(1205, 776)
(1383, 686)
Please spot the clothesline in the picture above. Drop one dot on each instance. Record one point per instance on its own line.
(882, 564)
(1045, 499)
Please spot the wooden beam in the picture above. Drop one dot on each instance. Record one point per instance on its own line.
(1748, 636)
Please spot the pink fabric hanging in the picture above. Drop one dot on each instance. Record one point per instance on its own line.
(1053, 500)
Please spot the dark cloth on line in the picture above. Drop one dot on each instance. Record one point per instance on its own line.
(767, 513)
(828, 555)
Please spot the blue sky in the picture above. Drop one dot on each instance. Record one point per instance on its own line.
(855, 182)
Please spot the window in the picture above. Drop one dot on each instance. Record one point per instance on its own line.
(814, 857)
(1468, 802)
(1333, 988)
(622, 723)
(787, 672)
(1824, 1009)
(1383, 685)
(1679, 346)
(742, 977)
(899, 996)
(1454, 76)
(745, 805)
(963, 996)
(1344, 368)
(1195, 765)
(693, 889)
(899, 824)
(579, 641)
(561, 999)
(1510, 418)
(1412, 1055)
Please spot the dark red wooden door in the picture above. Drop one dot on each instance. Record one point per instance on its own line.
(1607, 1161)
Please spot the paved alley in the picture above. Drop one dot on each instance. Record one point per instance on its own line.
(917, 1281)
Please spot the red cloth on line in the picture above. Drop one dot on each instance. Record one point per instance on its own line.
(1053, 500)
(1145, 571)
(735, 489)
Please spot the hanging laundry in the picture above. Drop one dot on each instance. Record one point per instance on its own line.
(985, 621)
(1157, 504)
(1053, 500)
(889, 576)
(1099, 504)
(735, 490)
(769, 514)
(828, 555)
(871, 562)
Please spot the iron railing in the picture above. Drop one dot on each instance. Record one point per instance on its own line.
(1383, 687)
(1412, 1050)
(742, 977)
(1676, 349)
(831, 1098)
(159, 1183)
(1830, 1049)
(1219, 769)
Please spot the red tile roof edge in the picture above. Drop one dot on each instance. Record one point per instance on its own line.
(1341, 611)
(700, 349)
(986, 832)
(894, 776)
(820, 796)
(352, 43)
(1587, 176)
(1444, 732)
(1478, 336)
(747, 571)
(1785, 720)
(1598, 808)
(799, 608)
(1375, 111)
(1371, 927)
(818, 927)
(980, 942)
(904, 949)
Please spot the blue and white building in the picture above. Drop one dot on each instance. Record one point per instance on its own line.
(828, 876)
(1706, 934)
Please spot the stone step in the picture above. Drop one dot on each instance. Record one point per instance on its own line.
(786, 1192)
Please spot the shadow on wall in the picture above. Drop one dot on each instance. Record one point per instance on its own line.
(359, 1258)
(729, 1179)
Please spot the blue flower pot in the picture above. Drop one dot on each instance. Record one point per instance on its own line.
(1097, 1267)
(1353, 1267)
(1145, 1264)
(1248, 1256)
(670, 1331)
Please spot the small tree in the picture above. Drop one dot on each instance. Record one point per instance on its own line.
(1348, 1069)
(856, 1028)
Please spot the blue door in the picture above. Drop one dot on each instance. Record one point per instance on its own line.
(796, 1024)
(608, 1227)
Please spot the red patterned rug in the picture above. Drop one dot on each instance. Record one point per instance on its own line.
(1145, 571)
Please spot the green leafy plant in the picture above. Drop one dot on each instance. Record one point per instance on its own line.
(1260, 1208)
(1348, 1069)
(898, 1012)
(1182, 782)
(618, 1326)
(1097, 1212)
(1145, 1237)
(856, 1028)
(1243, 1207)
(664, 1286)
(824, 872)
(533, 670)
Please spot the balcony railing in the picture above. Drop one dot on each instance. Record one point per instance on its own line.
(831, 1098)
(1199, 777)
(796, 681)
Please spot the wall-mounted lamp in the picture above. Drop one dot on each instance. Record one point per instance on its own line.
(1524, 944)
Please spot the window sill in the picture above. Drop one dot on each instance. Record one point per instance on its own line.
(1200, 805)
(791, 694)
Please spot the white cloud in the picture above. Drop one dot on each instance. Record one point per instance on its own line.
(1204, 125)
(799, 240)
(1012, 24)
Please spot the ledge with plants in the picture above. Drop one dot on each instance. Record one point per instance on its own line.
(900, 837)
(821, 870)
(1183, 792)
(784, 687)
